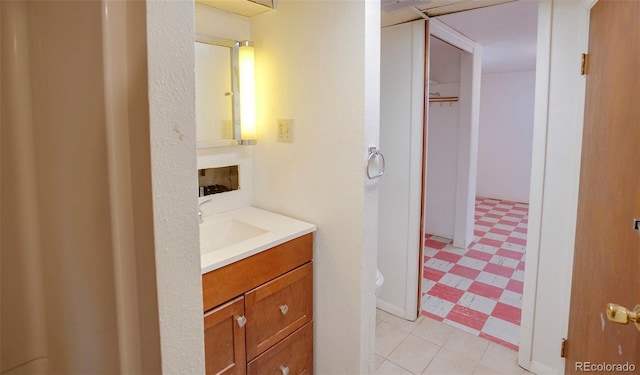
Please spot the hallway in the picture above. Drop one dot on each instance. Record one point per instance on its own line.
(479, 289)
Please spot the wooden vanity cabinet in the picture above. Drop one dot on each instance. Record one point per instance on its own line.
(259, 312)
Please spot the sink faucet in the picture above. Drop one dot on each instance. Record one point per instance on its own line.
(200, 208)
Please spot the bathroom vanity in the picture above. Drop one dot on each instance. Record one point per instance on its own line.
(258, 307)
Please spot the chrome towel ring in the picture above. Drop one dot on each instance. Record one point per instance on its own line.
(373, 154)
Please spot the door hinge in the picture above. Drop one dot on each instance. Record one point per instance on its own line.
(563, 349)
(584, 65)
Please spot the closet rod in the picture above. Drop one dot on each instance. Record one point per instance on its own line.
(444, 99)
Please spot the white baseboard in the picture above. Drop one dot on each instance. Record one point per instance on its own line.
(392, 309)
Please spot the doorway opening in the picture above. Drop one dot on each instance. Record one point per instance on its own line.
(401, 235)
(477, 285)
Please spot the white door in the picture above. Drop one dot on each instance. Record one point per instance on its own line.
(402, 96)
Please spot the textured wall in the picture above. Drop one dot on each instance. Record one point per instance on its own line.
(170, 37)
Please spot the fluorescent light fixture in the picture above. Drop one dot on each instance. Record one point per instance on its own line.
(247, 92)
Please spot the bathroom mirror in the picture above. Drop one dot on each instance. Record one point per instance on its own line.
(216, 91)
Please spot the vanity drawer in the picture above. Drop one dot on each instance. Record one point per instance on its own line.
(278, 308)
(235, 279)
(293, 355)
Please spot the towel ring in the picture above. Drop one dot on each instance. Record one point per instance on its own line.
(374, 153)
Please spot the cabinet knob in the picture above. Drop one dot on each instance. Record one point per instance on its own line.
(242, 320)
(284, 369)
(284, 309)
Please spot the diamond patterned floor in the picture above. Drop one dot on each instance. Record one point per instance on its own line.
(479, 289)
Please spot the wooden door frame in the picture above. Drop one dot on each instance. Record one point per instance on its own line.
(471, 70)
(471, 64)
(539, 156)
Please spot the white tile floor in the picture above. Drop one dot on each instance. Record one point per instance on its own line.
(427, 346)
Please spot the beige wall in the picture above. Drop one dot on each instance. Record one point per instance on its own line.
(317, 62)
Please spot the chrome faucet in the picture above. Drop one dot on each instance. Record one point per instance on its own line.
(200, 208)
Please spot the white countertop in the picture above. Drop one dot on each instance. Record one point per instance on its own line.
(273, 229)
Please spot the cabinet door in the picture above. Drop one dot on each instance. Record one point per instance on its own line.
(224, 339)
(277, 308)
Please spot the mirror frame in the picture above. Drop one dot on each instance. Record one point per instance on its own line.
(235, 107)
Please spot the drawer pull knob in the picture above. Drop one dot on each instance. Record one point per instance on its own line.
(242, 320)
(284, 309)
(284, 369)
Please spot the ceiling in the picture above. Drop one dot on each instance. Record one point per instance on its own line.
(400, 11)
(507, 32)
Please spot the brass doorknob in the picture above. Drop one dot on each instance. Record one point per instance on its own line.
(622, 315)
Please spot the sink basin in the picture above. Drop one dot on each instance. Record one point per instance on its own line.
(218, 234)
(234, 235)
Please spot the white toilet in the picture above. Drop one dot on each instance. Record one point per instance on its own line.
(379, 280)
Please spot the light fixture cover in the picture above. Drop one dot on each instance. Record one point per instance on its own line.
(247, 92)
